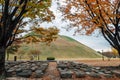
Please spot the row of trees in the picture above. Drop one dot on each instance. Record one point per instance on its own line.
(113, 53)
(22, 50)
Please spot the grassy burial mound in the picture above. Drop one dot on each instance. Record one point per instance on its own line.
(66, 47)
(63, 48)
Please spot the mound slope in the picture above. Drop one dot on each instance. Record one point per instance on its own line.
(66, 47)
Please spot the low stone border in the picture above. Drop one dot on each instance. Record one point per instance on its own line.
(26, 69)
(81, 70)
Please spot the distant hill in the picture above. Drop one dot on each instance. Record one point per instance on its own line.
(66, 47)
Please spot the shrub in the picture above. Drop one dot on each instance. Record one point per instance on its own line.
(50, 58)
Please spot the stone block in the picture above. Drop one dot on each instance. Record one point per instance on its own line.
(66, 74)
(80, 74)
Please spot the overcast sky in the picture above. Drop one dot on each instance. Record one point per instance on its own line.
(94, 42)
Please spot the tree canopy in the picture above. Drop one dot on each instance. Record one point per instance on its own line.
(40, 34)
(14, 11)
(89, 15)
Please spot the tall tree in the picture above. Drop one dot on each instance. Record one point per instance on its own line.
(89, 15)
(12, 13)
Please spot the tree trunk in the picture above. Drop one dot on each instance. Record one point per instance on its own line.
(118, 52)
(38, 58)
(2, 62)
(20, 57)
(7, 55)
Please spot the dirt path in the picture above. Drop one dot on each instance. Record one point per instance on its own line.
(52, 72)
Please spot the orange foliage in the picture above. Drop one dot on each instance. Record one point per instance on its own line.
(115, 52)
(42, 35)
(92, 14)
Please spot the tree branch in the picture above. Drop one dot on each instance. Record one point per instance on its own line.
(111, 43)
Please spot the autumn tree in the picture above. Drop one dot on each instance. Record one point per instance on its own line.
(114, 51)
(12, 13)
(34, 53)
(90, 15)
